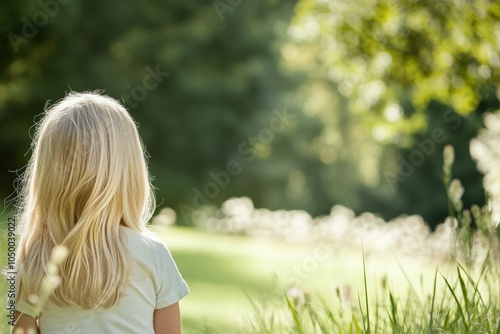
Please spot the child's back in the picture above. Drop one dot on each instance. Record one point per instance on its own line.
(87, 190)
(154, 283)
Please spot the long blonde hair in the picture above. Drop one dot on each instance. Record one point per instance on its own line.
(87, 176)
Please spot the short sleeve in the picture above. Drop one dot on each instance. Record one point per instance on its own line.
(171, 285)
(21, 305)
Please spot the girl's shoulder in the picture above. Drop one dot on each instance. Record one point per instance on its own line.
(142, 241)
(148, 251)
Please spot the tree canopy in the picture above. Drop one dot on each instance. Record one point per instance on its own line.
(391, 58)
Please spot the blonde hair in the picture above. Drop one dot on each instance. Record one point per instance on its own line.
(87, 177)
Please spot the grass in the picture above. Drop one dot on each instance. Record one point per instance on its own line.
(463, 304)
(348, 292)
(239, 284)
(223, 271)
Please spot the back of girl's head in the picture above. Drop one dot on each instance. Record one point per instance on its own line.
(86, 177)
(88, 158)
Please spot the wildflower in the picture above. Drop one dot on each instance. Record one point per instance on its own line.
(466, 218)
(347, 294)
(33, 299)
(448, 157)
(59, 253)
(297, 296)
(52, 280)
(344, 294)
(455, 192)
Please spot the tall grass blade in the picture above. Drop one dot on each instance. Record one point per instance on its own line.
(356, 325)
(460, 309)
(329, 314)
(295, 315)
(367, 328)
(475, 284)
(394, 313)
(464, 292)
(433, 301)
(410, 284)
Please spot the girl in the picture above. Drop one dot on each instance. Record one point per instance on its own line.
(86, 190)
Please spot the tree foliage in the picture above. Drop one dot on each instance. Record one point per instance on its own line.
(217, 80)
(392, 58)
(234, 100)
(394, 69)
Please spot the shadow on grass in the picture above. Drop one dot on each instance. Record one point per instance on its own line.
(229, 270)
(220, 283)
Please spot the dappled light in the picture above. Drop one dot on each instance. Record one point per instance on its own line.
(341, 228)
(486, 150)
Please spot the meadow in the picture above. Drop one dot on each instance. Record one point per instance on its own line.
(255, 284)
(226, 274)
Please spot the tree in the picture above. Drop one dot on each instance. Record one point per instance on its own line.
(385, 52)
(197, 79)
(397, 67)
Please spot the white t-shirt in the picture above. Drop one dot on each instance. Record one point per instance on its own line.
(155, 283)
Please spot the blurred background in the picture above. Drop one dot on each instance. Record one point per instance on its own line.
(292, 105)
(363, 85)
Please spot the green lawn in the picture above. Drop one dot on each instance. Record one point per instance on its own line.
(225, 272)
